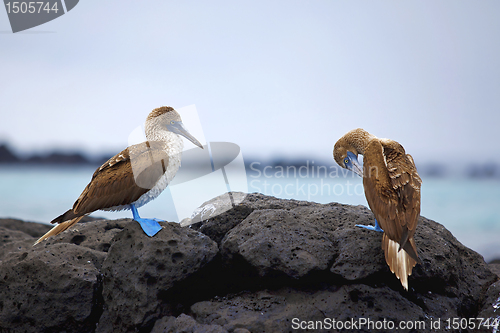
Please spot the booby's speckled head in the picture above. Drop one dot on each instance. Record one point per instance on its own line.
(347, 148)
(347, 157)
(166, 117)
(165, 112)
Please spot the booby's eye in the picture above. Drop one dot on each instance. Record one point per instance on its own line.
(172, 122)
(346, 161)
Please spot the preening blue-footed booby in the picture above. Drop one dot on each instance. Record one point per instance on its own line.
(392, 189)
(135, 176)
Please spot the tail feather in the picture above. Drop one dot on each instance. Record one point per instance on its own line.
(400, 262)
(59, 228)
(69, 215)
(411, 249)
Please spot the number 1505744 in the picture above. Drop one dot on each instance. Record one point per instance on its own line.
(32, 7)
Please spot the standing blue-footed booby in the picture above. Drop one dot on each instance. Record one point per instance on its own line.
(392, 189)
(135, 176)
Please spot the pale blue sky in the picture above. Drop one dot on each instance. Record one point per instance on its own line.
(281, 78)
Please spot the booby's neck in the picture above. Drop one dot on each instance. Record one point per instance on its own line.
(173, 142)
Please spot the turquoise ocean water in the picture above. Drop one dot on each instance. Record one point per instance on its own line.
(466, 207)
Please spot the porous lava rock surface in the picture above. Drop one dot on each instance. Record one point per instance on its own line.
(252, 264)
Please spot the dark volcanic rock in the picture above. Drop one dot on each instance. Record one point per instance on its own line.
(226, 216)
(184, 323)
(139, 270)
(281, 240)
(278, 264)
(491, 307)
(495, 268)
(50, 289)
(300, 242)
(9, 235)
(18, 236)
(305, 238)
(31, 228)
(13, 241)
(274, 310)
(96, 235)
(449, 270)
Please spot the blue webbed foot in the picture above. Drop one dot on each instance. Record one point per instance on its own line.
(370, 227)
(150, 226)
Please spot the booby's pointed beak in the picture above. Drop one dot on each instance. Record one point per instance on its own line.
(354, 165)
(178, 128)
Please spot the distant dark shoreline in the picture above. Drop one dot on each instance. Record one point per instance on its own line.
(8, 156)
(58, 158)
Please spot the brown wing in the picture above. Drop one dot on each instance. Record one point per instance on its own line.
(121, 180)
(392, 188)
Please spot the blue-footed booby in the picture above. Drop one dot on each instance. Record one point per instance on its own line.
(135, 176)
(392, 189)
